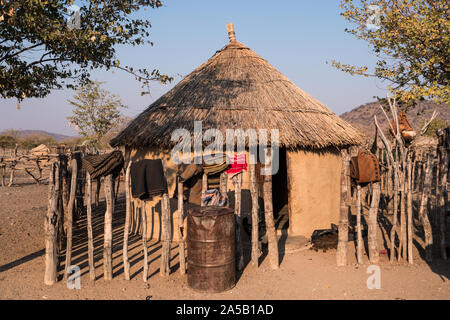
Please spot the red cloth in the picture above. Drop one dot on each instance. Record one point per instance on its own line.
(238, 163)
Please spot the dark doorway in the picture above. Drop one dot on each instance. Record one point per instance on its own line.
(279, 186)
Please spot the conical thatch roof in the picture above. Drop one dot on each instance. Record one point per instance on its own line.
(236, 88)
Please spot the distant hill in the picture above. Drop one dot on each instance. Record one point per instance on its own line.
(362, 117)
(58, 137)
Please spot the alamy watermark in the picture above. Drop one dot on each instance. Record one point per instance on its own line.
(74, 278)
(373, 22)
(257, 141)
(374, 280)
(74, 20)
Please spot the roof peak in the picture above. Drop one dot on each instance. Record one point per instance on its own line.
(231, 34)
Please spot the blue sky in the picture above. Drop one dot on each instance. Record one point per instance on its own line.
(296, 37)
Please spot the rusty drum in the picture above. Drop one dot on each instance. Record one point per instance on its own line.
(210, 246)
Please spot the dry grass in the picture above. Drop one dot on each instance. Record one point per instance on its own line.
(236, 88)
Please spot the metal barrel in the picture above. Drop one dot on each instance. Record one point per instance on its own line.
(210, 245)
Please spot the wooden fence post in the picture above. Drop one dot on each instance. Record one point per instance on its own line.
(107, 247)
(69, 216)
(144, 238)
(237, 182)
(51, 230)
(409, 202)
(423, 215)
(359, 244)
(443, 198)
(181, 248)
(255, 218)
(166, 231)
(126, 230)
(341, 253)
(372, 223)
(89, 226)
(97, 192)
(268, 215)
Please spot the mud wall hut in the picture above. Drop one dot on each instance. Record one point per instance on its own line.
(237, 89)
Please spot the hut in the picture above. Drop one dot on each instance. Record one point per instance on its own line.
(237, 89)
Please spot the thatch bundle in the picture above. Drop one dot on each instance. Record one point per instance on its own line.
(236, 88)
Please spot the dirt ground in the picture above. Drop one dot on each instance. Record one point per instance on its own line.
(304, 274)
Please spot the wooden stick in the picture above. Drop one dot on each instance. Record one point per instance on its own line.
(69, 216)
(126, 229)
(116, 194)
(422, 214)
(97, 192)
(403, 242)
(268, 214)
(255, 218)
(223, 184)
(51, 245)
(181, 248)
(144, 238)
(443, 196)
(166, 231)
(359, 239)
(89, 226)
(107, 247)
(341, 253)
(237, 182)
(409, 203)
(204, 187)
(372, 224)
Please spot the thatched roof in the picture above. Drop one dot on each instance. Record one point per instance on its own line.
(236, 88)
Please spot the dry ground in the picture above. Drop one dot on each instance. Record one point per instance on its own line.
(304, 274)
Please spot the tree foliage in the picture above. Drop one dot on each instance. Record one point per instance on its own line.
(7, 141)
(96, 111)
(33, 140)
(41, 51)
(435, 125)
(411, 41)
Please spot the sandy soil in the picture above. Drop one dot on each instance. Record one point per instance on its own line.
(304, 274)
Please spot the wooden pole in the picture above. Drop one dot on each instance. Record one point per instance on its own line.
(372, 223)
(126, 229)
(403, 240)
(255, 218)
(181, 248)
(144, 238)
(116, 194)
(51, 245)
(97, 192)
(166, 231)
(89, 226)
(204, 187)
(107, 247)
(237, 182)
(409, 202)
(443, 196)
(268, 214)
(69, 216)
(341, 253)
(223, 184)
(422, 214)
(359, 244)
